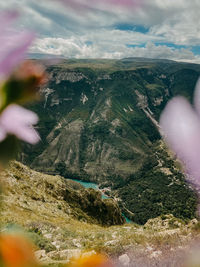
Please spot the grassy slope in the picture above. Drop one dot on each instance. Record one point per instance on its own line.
(29, 201)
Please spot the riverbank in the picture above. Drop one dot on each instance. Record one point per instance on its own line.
(103, 192)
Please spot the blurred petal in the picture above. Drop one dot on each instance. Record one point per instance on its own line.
(18, 121)
(6, 18)
(120, 2)
(13, 45)
(23, 84)
(16, 251)
(29, 69)
(105, 4)
(91, 260)
(74, 4)
(181, 127)
(12, 55)
(2, 134)
(197, 97)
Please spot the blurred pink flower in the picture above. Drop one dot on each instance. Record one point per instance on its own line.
(13, 45)
(87, 4)
(180, 123)
(15, 120)
(7, 18)
(18, 121)
(119, 2)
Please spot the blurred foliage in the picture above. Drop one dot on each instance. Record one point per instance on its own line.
(9, 148)
(21, 87)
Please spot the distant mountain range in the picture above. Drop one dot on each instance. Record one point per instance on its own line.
(42, 56)
(99, 122)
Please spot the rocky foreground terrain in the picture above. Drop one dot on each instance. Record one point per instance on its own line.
(60, 217)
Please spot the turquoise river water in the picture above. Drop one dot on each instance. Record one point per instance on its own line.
(95, 186)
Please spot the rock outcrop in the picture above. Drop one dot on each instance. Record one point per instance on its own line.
(34, 193)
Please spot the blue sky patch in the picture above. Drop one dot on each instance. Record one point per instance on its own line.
(129, 27)
(171, 45)
(88, 43)
(132, 45)
(196, 50)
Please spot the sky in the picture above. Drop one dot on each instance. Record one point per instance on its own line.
(168, 29)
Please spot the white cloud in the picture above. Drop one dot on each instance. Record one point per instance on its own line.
(75, 48)
(64, 31)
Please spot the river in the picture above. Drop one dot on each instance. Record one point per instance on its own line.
(95, 186)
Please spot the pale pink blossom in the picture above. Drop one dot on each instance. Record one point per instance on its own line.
(18, 121)
(180, 123)
(13, 45)
(15, 120)
(7, 18)
(88, 4)
(125, 3)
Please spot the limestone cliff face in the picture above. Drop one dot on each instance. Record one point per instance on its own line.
(99, 119)
(94, 119)
(63, 150)
(102, 122)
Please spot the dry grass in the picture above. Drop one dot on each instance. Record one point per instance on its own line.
(27, 202)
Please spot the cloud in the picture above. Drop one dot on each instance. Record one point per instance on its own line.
(94, 31)
(180, 26)
(73, 47)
